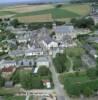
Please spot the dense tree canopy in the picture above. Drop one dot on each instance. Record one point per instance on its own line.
(1, 81)
(59, 62)
(83, 22)
(44, 71)
(15, 23)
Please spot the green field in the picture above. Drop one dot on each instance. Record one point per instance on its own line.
(14, 98)
(9, 91)
(56, 13)
(66, 12)
(4, 13)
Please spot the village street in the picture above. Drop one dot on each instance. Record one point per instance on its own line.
(61, 95)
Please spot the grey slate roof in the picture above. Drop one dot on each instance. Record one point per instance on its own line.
(90, 62)
(93, 39)
(16, 52)
(64, 29)
(8, 84)
(90, 49)
(42, 59)
(47, 39)
(25, 62)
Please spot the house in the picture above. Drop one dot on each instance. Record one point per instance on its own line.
(67, 41)
(7, 63)
(93, 39)
(63, 30)
(47, 83)
(25, 63)
(7, 70)
(48, 42)
(95, 18)
(23, 38)
(42, 61)
(16, 53)
(33, 52)
(90, 50)
(88, 61)
(54, 51)
(8, 84)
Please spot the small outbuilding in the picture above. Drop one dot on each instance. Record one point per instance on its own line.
(8, 84)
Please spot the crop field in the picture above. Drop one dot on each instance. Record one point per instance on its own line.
(4, 13)
(27, 8)
(36, 18)
(79, 9)
(46, 13)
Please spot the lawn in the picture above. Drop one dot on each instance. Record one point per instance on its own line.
(73, 77)
(75, 51)
(14, 98)
(6, 91)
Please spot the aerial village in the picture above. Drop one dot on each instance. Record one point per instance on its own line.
(34, 51)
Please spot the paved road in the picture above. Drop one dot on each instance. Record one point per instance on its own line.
(27, 96)
(61, 95)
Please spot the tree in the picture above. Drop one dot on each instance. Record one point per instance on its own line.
(59, 5)
(87, 91)
(52, 34)
(83, 22)
(15, 23)
(11, 35)
(44, 71)
(73, 20)
(16, 77)
(59, 62)
(91, 73)
(28, 81)
(1, 81)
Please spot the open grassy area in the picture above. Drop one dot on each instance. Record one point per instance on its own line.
(8, 91)
(14, 98)
(73, 77)
(75, 51)
(3, 13)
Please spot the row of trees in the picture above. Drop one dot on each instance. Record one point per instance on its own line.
(83, 22)
(34, 26)
(60, 62)
(83, 1)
